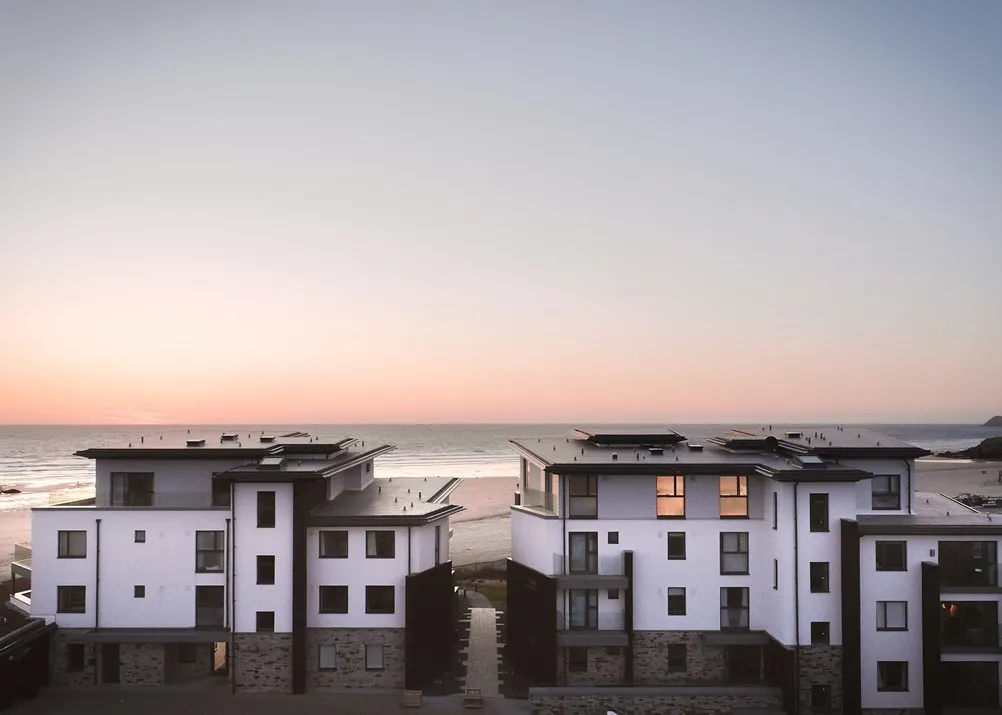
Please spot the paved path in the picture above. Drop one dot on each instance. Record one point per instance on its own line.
(482, 654)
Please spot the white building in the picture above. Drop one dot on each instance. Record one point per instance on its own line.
(792, 569)
(272, 562)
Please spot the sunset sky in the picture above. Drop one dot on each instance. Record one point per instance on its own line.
(302, 212)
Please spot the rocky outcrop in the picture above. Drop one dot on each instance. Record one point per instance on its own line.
(990, 448)
(995, 421)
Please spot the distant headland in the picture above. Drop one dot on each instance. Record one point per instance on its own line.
(990, 448)
(995, 421)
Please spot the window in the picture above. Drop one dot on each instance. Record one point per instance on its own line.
(819, 577)
(368, 467)
(733, 497)
(140, 536)
(71, 599)
(734, 552)
(582, 497)
(583, 548)
(266, 510)
(132, 488)
(209, 606)
(734, 608)
(819, 512)
(676, 545)
(72, 544)
(886, 491)
(892, 615)
(677, 661)
(583, 607)
(139, 591)
(209, 547)
(380, 544)
(187, 652)
(775, 574)
(438, 544)
(265, 621)
(892, 556)
(577, 660)
(76, 657)
(819, 632)
(373, 657)
(613, 594)
(333, 544)
(266, 570)
(333, 599)
(892, 675)
(676, 601)
(379, 599)
(613, 537)
(671, 497)
(775, 510)
(327, 657)
(821, 698)
(220, 493)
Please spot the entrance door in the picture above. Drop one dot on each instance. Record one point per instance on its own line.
(109, 662)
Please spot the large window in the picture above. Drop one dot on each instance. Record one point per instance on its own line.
(379, 599)
(583, 608)
(733, 497)
(892, 615)
(333, 599)
(676, 545)
(333, 544)
(819, 512)
(886, 491)
(209, 606)
(734, 552)
(583, 548)
(132, 488)
(892, 555)
(380, 544)
(734, 607)
(71, 599)
(892, 675)
(266, 570)
(266, 510)
(582, 494)
(209, 551)
(819, 577)
(676, 601)
(72, 544)
(671, 497)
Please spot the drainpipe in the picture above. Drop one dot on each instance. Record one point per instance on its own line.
(908, 467)
(563, 560)
(408, 550)
(97, 587)
(232, 524)
(796, 600)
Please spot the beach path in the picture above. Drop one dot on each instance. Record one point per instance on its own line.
(482, 655)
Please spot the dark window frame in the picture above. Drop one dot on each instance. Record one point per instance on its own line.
(613, 537)
(588, 613)
(884, 553)
(327, 535)
(132, 488)
(221, 493)
(775, 574)
(376, 541)
(76, 657)
(186, 653)
(882, 611)
(884, 669)
(676, 536)
(139, 591)
(820, 577)
(885, 492)
(613, 594)
(582, 496)
(746, 552)
(139, 536)
(775, 511)
(320, 658)
(821, 697)
(818, 512)
(677, 657)
(679, 600)
(65, 538)
(372, 594)
(820, 632)
(266, 512)
(670, 491)
(264, 622)
(206, 607)
(382, 657)
(590, 549)
(264, 564)
(71, 599)
(336, 599)
(726, 607)
(577, 659)
(218, 549)
(739, 495)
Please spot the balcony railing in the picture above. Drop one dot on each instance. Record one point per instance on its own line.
(985, 637)
(170, 500)
(613, 621)
(209, 617)
(538, 499)
(985, 576)
(602, 565)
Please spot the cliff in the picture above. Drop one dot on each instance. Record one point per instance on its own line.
(995, 421)
(990, 448)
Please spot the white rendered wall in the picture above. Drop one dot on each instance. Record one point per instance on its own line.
(864, 489)
(249, 541)
(534, 540)
(184, 482)
(164, 564)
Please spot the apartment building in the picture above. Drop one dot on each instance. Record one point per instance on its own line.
(794, 569)
(265, 562)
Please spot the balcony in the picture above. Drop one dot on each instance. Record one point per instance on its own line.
(589, 572)
(590, 629)
(537, 499)
(969, 567)
(970, 627)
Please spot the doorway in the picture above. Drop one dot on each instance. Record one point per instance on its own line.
(110, 663)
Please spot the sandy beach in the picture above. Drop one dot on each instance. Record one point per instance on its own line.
(482, 532)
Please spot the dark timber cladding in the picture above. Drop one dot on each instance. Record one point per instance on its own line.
(778, 671)
(430, 636)
(305, 496)
(532, 623)
(932, 664)
(852, 696)
(628, 614)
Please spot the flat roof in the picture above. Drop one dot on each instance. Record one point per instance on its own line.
(389, 501)
(279, 468)
(188, 444)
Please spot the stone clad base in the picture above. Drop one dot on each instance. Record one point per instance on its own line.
(820, 665)
(141, 663)
(262, 662)
(350, 670)
(704, 663)
(606, 666)
(647, 701)
(59, 659)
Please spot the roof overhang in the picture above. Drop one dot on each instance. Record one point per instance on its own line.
(157, 635)
(251, 473)
(384, 520)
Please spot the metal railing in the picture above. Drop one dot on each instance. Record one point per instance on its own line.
(987, 576)
(538, 499)
(603, 565)
(614, 621)
(988, 636)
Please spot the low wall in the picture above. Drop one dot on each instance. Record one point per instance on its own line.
(706, 700)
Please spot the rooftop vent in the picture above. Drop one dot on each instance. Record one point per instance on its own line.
(269, 463)
(195, 442)
(794, 435)
(267, 438)
(615, 456)
(695, 447)
(657, 450)
(228, 437)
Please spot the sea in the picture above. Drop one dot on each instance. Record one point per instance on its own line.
(39, 459)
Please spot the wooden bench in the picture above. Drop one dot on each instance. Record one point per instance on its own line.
(412, 699)
(473, 698)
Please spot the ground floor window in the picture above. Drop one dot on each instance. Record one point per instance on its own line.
(577, 660)
(373, 657)
(892, 675)
(327, 657)
(76, 656)
(187, 653)
(677, 658)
